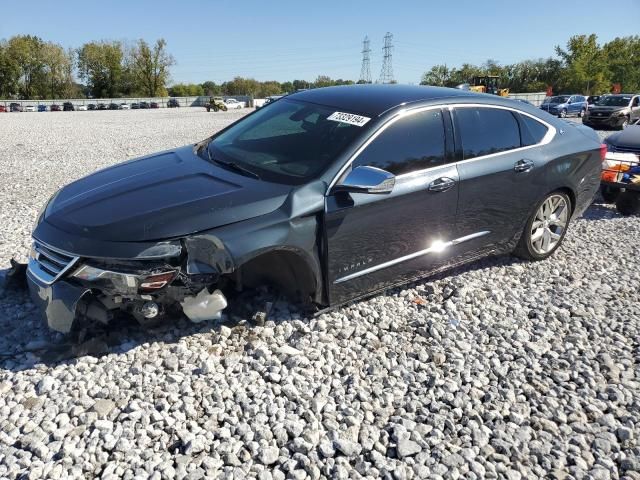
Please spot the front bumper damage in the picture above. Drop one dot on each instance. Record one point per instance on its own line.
(99, 290)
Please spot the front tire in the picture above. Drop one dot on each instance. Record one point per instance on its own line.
(628, 203)
(609, 194)
(563, 113)
(582, 112)
(546, 228)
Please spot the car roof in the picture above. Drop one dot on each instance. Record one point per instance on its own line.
(377, 99)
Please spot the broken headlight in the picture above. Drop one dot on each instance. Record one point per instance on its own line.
(131, 283)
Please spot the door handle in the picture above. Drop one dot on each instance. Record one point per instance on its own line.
(523, 166)
(441, 184)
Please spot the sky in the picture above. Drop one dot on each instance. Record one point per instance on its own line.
(286, 40)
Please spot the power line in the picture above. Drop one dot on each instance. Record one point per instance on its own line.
(365, 70)
(386, 74)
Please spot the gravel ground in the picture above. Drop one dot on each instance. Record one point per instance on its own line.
(502, 369)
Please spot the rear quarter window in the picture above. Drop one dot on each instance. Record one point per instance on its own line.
(486, 130)
(531, 131)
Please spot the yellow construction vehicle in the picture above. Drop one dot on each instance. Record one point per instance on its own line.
(488, 84)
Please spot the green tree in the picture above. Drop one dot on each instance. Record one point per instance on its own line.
(622, 56)
(9, 73)
(101, 65)
(150, 66)
(210, 88)
(585, 65)
(186, 90)
(26, 52)
(286, 87)
(439, 76)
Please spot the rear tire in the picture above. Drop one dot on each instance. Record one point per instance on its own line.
(628, 203)
(609, 194)
(546, 228)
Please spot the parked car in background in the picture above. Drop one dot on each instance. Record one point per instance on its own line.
(82, 108)
(233, 104)
(15, 107)
(30, 108)
(173, 103)
(68, 107)
(269, 100)
(92, 106)
(154, 105)
(42, 108)
(103, 106)
(124, 106)
(331, 194)
(144, 105)
(3, 108)
(114, 106)
(621, 170)
(566, 105)
(614, 111)
(55, 108)
(135, 106)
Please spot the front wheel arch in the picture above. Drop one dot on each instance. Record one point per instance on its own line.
(283, 269)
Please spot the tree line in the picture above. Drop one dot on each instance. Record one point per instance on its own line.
(582, 66)
(31, 68)
(252, 87)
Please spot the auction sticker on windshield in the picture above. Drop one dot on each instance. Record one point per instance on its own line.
(350, 118)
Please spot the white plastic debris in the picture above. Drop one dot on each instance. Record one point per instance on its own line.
(204, 306)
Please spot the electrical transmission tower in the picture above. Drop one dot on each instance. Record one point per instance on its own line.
(365, 70)
(386, 74)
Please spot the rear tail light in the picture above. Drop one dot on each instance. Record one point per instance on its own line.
(156, 281)
(603, 151)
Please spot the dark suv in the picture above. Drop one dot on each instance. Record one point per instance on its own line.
(68, 107)
(173, 103)
(331, 194)
(614, 111)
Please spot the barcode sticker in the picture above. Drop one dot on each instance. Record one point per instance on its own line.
(349, 118)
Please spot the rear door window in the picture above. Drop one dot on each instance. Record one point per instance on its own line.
(412, 143)
(486, 130)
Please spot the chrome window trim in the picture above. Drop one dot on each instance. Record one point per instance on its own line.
(551, 133)
(411, 256)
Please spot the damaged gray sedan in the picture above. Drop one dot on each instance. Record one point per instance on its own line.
(329, 194)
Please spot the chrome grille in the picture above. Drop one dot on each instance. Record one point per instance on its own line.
(48, 264)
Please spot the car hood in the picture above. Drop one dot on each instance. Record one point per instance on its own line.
(162, 196)
(629, 137)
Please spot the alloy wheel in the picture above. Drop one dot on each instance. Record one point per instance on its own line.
(563, 114)
(549, 224)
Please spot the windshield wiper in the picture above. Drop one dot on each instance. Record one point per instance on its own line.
(233, 166)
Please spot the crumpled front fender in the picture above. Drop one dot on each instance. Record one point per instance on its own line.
(58, 302)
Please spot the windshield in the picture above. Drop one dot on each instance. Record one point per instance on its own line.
(611, 101)
(288, 142)
(559, 99)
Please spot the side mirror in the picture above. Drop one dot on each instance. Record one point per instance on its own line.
(366, 180)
